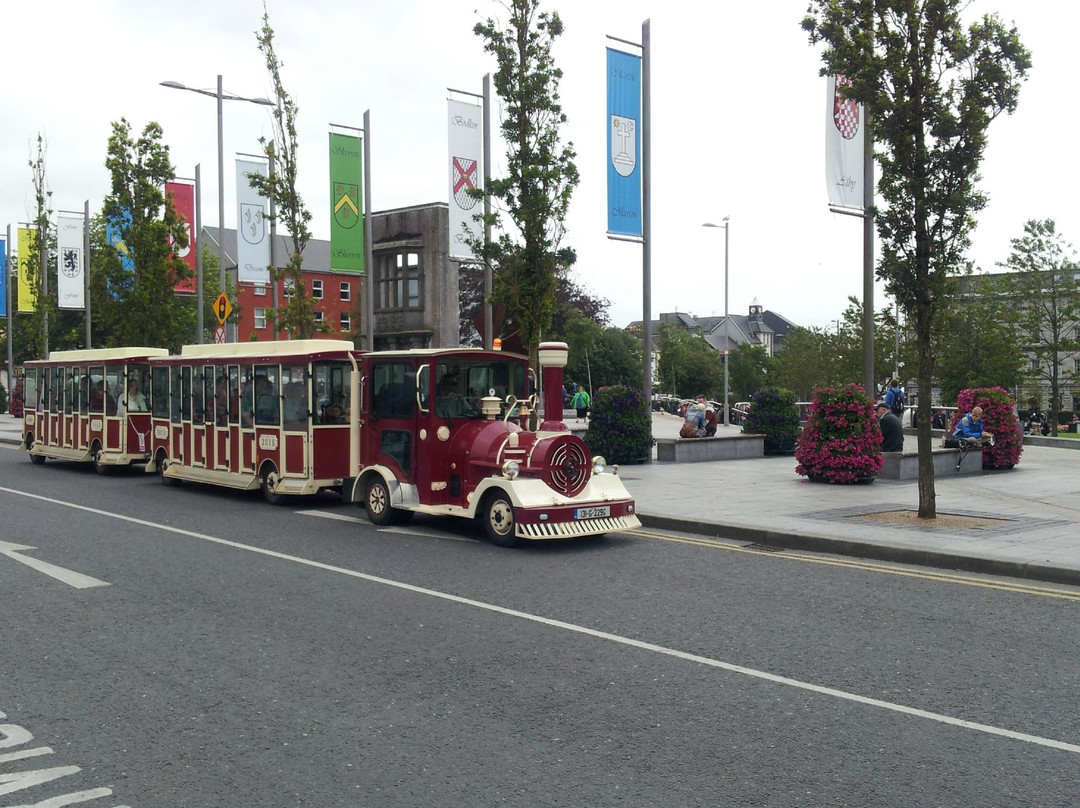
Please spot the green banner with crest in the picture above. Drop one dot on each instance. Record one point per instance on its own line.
(346, 206)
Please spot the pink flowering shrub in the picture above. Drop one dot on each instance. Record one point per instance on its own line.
(999, 419)
(841, 442)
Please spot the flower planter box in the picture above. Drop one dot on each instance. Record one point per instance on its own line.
(701, 450)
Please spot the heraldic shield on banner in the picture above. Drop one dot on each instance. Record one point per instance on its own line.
(346, 210)
(623, 145)
(845, 111)
(464, 174)
(253, 223)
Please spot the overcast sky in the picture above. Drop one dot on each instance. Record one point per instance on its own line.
(738, 125)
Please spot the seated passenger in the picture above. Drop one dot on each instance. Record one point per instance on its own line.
(449, 403)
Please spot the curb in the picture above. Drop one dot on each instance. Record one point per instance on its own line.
(874, 552)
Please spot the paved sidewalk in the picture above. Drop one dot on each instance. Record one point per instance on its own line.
(762, 500)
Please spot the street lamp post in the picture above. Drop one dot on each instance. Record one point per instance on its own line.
(727, 326)
(221, 97)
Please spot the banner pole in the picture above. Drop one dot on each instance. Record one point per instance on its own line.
(646, 221)
(368, 252)
(86, 268)
(489, 288)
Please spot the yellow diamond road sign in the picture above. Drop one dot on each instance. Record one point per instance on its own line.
(222, 308)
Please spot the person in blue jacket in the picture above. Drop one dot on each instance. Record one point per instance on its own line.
(970, 427)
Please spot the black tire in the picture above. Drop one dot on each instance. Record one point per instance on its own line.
(377, 503)
(37, 460)
(269, 484)
(101, 468)
(162, 464)
(499, 522)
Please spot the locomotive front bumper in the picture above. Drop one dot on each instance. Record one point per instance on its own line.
(568, 521)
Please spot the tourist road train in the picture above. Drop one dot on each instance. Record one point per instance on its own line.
(453, 432)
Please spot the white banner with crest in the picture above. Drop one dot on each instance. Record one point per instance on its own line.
(844, 121)
(252, 226)
(466, 125)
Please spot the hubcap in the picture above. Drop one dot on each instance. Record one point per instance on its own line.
(501, 517)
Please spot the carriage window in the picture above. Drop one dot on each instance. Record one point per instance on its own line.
(266, 396)
(71, 379)
(234, 394)
(90, 390)
(175, 395)
(185, 393)
(393, 390)
(137, 390)
(196, 395)
(160, 392)
(423, 380)
(209, 393)
(294, 393)
(114, 388)
(331, 392)
(56, 396)
(30, 388)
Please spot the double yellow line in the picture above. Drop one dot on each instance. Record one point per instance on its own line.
(1004, 585)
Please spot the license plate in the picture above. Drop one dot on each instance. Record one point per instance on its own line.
(592, 513)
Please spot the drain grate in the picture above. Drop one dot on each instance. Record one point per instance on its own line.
(765, 548)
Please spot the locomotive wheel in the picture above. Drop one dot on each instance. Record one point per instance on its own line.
(377, 503)
(99, 467)
(270, 480)
(499, 520)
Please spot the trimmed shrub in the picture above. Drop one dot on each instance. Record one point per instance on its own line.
(999, 420)
(15, 405)
(620, 430)
(841, 442)
(773, 414)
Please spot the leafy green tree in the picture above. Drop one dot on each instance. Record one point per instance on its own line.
(541, 174)
(688, 364)
(613, 358)
(297, 316)
(1044, 290)
(751, 368)
(977, 342)
(931, 87)
(35, 331)
(805, 361)
(145, 309)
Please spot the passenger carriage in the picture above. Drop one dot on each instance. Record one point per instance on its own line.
(89, 406)
(261, 415)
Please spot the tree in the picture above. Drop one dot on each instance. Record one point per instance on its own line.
(930, 87)
(297, 316)
(688, 364)
(541, 174)
(750, 370)
(805, 362)
(976, 341)
(614, 358)
(35, 336)
(1044, 289)
(141, 305)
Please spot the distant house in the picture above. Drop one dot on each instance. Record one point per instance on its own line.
(758, 327)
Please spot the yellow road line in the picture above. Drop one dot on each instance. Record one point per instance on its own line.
(869, 566)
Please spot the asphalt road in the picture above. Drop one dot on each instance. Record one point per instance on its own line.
(238, 654)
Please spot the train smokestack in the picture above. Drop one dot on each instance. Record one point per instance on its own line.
(552, 361)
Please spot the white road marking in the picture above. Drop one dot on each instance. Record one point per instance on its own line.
(69, 577)
(584, 630)
(405, 531)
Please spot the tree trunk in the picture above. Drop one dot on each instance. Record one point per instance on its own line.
(924, 373)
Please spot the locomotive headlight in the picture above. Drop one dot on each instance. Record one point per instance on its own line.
(511, 469)
(598, 465)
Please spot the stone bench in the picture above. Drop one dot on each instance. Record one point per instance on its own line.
(904, 466)
(700, 450)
